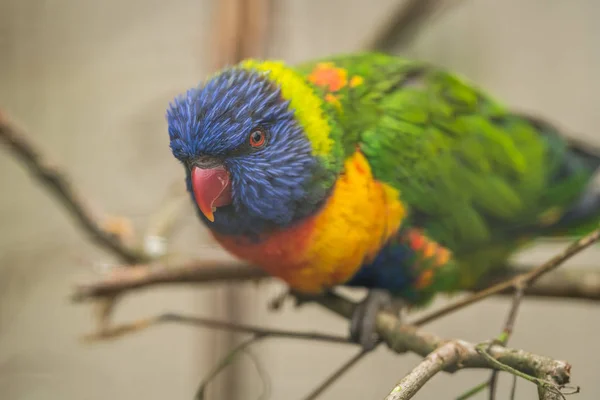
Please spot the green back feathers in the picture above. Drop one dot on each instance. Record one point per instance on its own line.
(471, 171)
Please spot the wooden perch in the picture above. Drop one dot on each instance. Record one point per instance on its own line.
(453, 355)
(124, 279)
(574, 284)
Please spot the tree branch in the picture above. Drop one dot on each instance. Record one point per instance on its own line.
(225, 362)
(507, 332)
(142, 324)
(444, 357)
(575, 284)
(60, 186)
(336, 375)
(125, 279)
(402, 338)
(405, 22)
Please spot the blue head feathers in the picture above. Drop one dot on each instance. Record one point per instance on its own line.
(272, 186)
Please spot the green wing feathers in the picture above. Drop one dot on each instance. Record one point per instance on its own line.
(476, 177)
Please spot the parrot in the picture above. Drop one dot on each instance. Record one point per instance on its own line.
(375, 171)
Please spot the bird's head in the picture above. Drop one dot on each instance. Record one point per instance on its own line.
(258, 146)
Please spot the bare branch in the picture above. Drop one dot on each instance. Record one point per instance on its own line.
(142, 324)
(444, 357)
(473, 391)
(503, 340)
(402, 338)
(576, 284)
(507, 332)
(122, 279)
(404, 23)
(59, 184)
(225, 362)
(336, 375)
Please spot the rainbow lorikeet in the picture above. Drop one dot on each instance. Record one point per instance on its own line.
(374, 171)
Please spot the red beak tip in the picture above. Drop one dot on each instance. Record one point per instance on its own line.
(211, 186)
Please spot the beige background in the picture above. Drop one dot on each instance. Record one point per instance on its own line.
(91, 81)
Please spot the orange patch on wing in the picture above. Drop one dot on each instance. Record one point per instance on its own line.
(430, 249)
(327, 75)
(424, 279)
(332, 99)
(442, 256)
(416, 239)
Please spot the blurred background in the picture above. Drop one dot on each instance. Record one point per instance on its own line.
(91, 80)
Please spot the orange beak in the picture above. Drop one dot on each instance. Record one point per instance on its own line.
(212, 189)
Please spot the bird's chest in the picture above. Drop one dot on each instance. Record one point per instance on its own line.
(328, 248)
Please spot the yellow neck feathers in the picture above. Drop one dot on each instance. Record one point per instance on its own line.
(307, 106)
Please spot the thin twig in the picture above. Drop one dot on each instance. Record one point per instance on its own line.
(262, 373)
(404, 23)
(507, 332)
(60, 185)
(444, 357)
(336, 375)
(513, 389)
(142, 324)
(492, 384)
(473, 391)
(572, 283)
(544, 384)
(526, 278)
(512, 315)
(224, 363)
(121, 279)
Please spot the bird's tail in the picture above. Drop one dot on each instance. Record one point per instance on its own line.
(583, 215)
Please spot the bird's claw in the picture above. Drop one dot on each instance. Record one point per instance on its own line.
(363, 329)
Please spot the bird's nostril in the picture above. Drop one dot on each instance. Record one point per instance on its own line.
(206, 162)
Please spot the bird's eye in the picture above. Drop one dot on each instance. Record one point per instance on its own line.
(257, 138)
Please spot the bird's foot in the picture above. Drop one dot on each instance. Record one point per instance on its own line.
(363, 329)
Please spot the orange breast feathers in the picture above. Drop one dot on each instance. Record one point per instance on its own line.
(328, 248)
